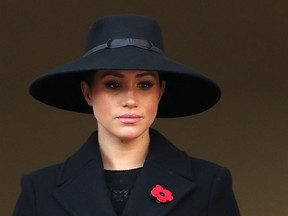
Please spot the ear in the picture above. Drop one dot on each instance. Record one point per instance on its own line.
(86, 91)
(163, 85)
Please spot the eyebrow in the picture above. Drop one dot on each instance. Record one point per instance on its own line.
(117, 74)
(147, 73)
(111, 73)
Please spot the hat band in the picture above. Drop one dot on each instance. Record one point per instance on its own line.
(117, 43)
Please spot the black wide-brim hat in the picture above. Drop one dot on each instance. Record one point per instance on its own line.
(127, 42)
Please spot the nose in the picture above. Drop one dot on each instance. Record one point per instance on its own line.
(130, 99)
(130, 103)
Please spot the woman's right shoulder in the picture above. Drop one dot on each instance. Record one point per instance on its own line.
(48, 173)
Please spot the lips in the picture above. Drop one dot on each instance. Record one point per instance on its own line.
(129, 118)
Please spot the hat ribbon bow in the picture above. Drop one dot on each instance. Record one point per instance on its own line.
(123, 42)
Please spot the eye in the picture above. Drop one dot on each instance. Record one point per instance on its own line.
(145, 85)
(112, 85)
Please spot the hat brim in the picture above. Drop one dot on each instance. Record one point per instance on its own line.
(187, 91)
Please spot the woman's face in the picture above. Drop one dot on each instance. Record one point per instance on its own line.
(124, 102)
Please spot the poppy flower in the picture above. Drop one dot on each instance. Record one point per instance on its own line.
(162, 195)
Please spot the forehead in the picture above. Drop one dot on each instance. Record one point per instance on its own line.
(126, 73)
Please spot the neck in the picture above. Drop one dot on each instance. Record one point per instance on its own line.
(123, 154)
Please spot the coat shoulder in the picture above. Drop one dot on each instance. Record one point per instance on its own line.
(46, 175)
(204, 166)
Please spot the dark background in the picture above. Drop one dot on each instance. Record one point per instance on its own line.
(240, 44)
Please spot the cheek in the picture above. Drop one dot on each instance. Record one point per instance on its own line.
(101, 105)
(152, 105)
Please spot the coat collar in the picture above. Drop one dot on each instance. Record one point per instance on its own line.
(82, 188)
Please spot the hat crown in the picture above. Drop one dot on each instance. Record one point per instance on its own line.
(124, 26)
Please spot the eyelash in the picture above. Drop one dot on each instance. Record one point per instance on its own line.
(145, 85)
(112, 85)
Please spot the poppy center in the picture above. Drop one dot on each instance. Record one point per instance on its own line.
(162, 194)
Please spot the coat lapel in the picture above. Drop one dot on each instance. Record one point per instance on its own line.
(82, 188)
(81, 183)
(167, 166)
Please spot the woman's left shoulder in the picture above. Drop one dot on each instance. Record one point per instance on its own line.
(204, 169)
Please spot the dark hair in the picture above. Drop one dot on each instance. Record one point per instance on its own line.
(88, 77)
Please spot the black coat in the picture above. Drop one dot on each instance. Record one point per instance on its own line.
(77, 187)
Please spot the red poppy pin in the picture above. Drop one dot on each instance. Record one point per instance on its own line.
(162, 195)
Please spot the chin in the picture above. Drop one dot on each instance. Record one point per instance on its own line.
(129, 133)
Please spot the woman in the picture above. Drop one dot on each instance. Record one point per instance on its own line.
(126, 168)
